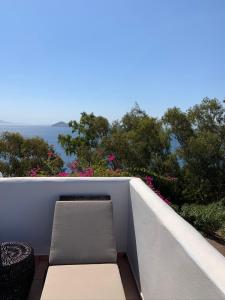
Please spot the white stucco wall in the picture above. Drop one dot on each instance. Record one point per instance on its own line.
(169, 258)
(27, 206)
(175, 262)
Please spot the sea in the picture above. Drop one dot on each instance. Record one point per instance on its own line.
(48, 133)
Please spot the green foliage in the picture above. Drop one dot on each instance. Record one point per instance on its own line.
(19, 155)
(201, 134)
(101, 171)
(142, 146)
(140, 141)
(206, 218)
(88, 135)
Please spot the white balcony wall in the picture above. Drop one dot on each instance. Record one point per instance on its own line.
(27, 206)
(174, 261)
(169, 258)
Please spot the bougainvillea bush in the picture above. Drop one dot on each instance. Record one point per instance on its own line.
(105, 167)
(209, 219)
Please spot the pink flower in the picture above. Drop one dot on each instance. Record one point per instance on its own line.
(33, 172)
(89, 172)
(63, 174)
(73, 165)
(82, 174)
(111, 157)
(167, 201)
(50, 154)
(149, 181)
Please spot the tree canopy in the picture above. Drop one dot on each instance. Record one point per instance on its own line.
(200, 132)
(88, 135)
(19, 155)
(142, 145)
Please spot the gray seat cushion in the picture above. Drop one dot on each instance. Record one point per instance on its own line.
(83, 233)
(83, 282)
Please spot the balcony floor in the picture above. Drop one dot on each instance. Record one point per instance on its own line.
(41, 265)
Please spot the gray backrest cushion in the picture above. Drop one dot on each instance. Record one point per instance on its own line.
(83, 233)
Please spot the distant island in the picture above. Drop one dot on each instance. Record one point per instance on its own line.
(3, 122)
(60, 124)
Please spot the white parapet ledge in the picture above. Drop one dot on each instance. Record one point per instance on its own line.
(64, 179)
(208, 259)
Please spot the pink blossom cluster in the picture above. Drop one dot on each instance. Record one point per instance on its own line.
(89, 172)
(74, 165)
(63, 174)
(33, 172)
(111, 157)
(50, 154)
(149, 182)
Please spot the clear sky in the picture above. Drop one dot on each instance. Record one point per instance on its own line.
(59, 58)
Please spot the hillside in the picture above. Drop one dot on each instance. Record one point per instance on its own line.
(60, 124)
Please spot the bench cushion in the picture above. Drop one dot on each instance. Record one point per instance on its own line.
(83, 233)
(83, 282)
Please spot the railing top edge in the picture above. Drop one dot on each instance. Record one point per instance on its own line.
(65, 179)
(197, 247)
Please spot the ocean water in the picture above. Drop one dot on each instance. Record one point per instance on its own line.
(48, 133)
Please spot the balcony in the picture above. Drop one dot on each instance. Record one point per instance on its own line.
(161, 257)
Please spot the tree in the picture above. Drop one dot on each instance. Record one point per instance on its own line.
(19, 155)
(201, 135)
(140, 141)
(88, 135)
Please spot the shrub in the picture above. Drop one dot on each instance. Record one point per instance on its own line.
(206, 218)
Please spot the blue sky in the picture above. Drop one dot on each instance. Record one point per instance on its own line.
(59, 58)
